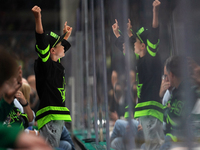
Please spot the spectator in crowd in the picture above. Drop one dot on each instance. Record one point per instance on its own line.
(50, 80)
(10, 82)
(119, 101)
(149, 108)
(118, 137)
(114, 78)
(178, 109)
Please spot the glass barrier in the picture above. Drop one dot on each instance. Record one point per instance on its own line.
(132, 72)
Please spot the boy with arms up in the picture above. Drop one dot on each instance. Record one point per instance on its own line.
(50, 80)
(149, 108)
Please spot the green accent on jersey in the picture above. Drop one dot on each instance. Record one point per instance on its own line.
(59, 60)
(177, 107)
(174, 138)
(149, 103)
(169, 120)
(14, 118)
(150, 52)
(43, 52)
(41, 122)
(48, 108)
(149, 112)
(46, 58)
(62, 90)
(139, 86)
(126, 114)
(139, 89)
(137, 56)
(154, 46)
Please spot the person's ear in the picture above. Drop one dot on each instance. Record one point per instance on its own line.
(52, 50)
(143, 46)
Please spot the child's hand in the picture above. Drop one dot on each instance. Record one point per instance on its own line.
(36, 11)
(115, 28)
(156, 5)
(67, 29)
(129, 28)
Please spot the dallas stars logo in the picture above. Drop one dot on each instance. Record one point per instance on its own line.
(62, 90)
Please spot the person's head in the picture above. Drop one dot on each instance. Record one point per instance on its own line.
(114, 78)
(26, 90)
(141, 41)
(118, 91)
(8, 68)
(31, 81)
(173, 70)
(24, 80)
(56, 48)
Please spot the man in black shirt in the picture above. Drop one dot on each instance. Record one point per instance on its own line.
(178, 109)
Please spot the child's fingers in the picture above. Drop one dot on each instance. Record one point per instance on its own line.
(116, 21)
(65, 23)
(129, 21)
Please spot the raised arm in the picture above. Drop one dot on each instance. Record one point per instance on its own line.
(67, 29)
(115, 28)
(38, 20)
(129, 28)
(156, 5)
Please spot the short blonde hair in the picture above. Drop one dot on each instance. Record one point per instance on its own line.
(26, 90)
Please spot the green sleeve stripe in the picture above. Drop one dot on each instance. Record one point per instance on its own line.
(154, 46)
(43, 52)
(169, 120)
(46, 58)
(41, 122)
(174, 138)
(48, 108)
(149, 103)
(149, 112)
(150, 52)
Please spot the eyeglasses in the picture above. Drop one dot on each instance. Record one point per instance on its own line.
(164, 76)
